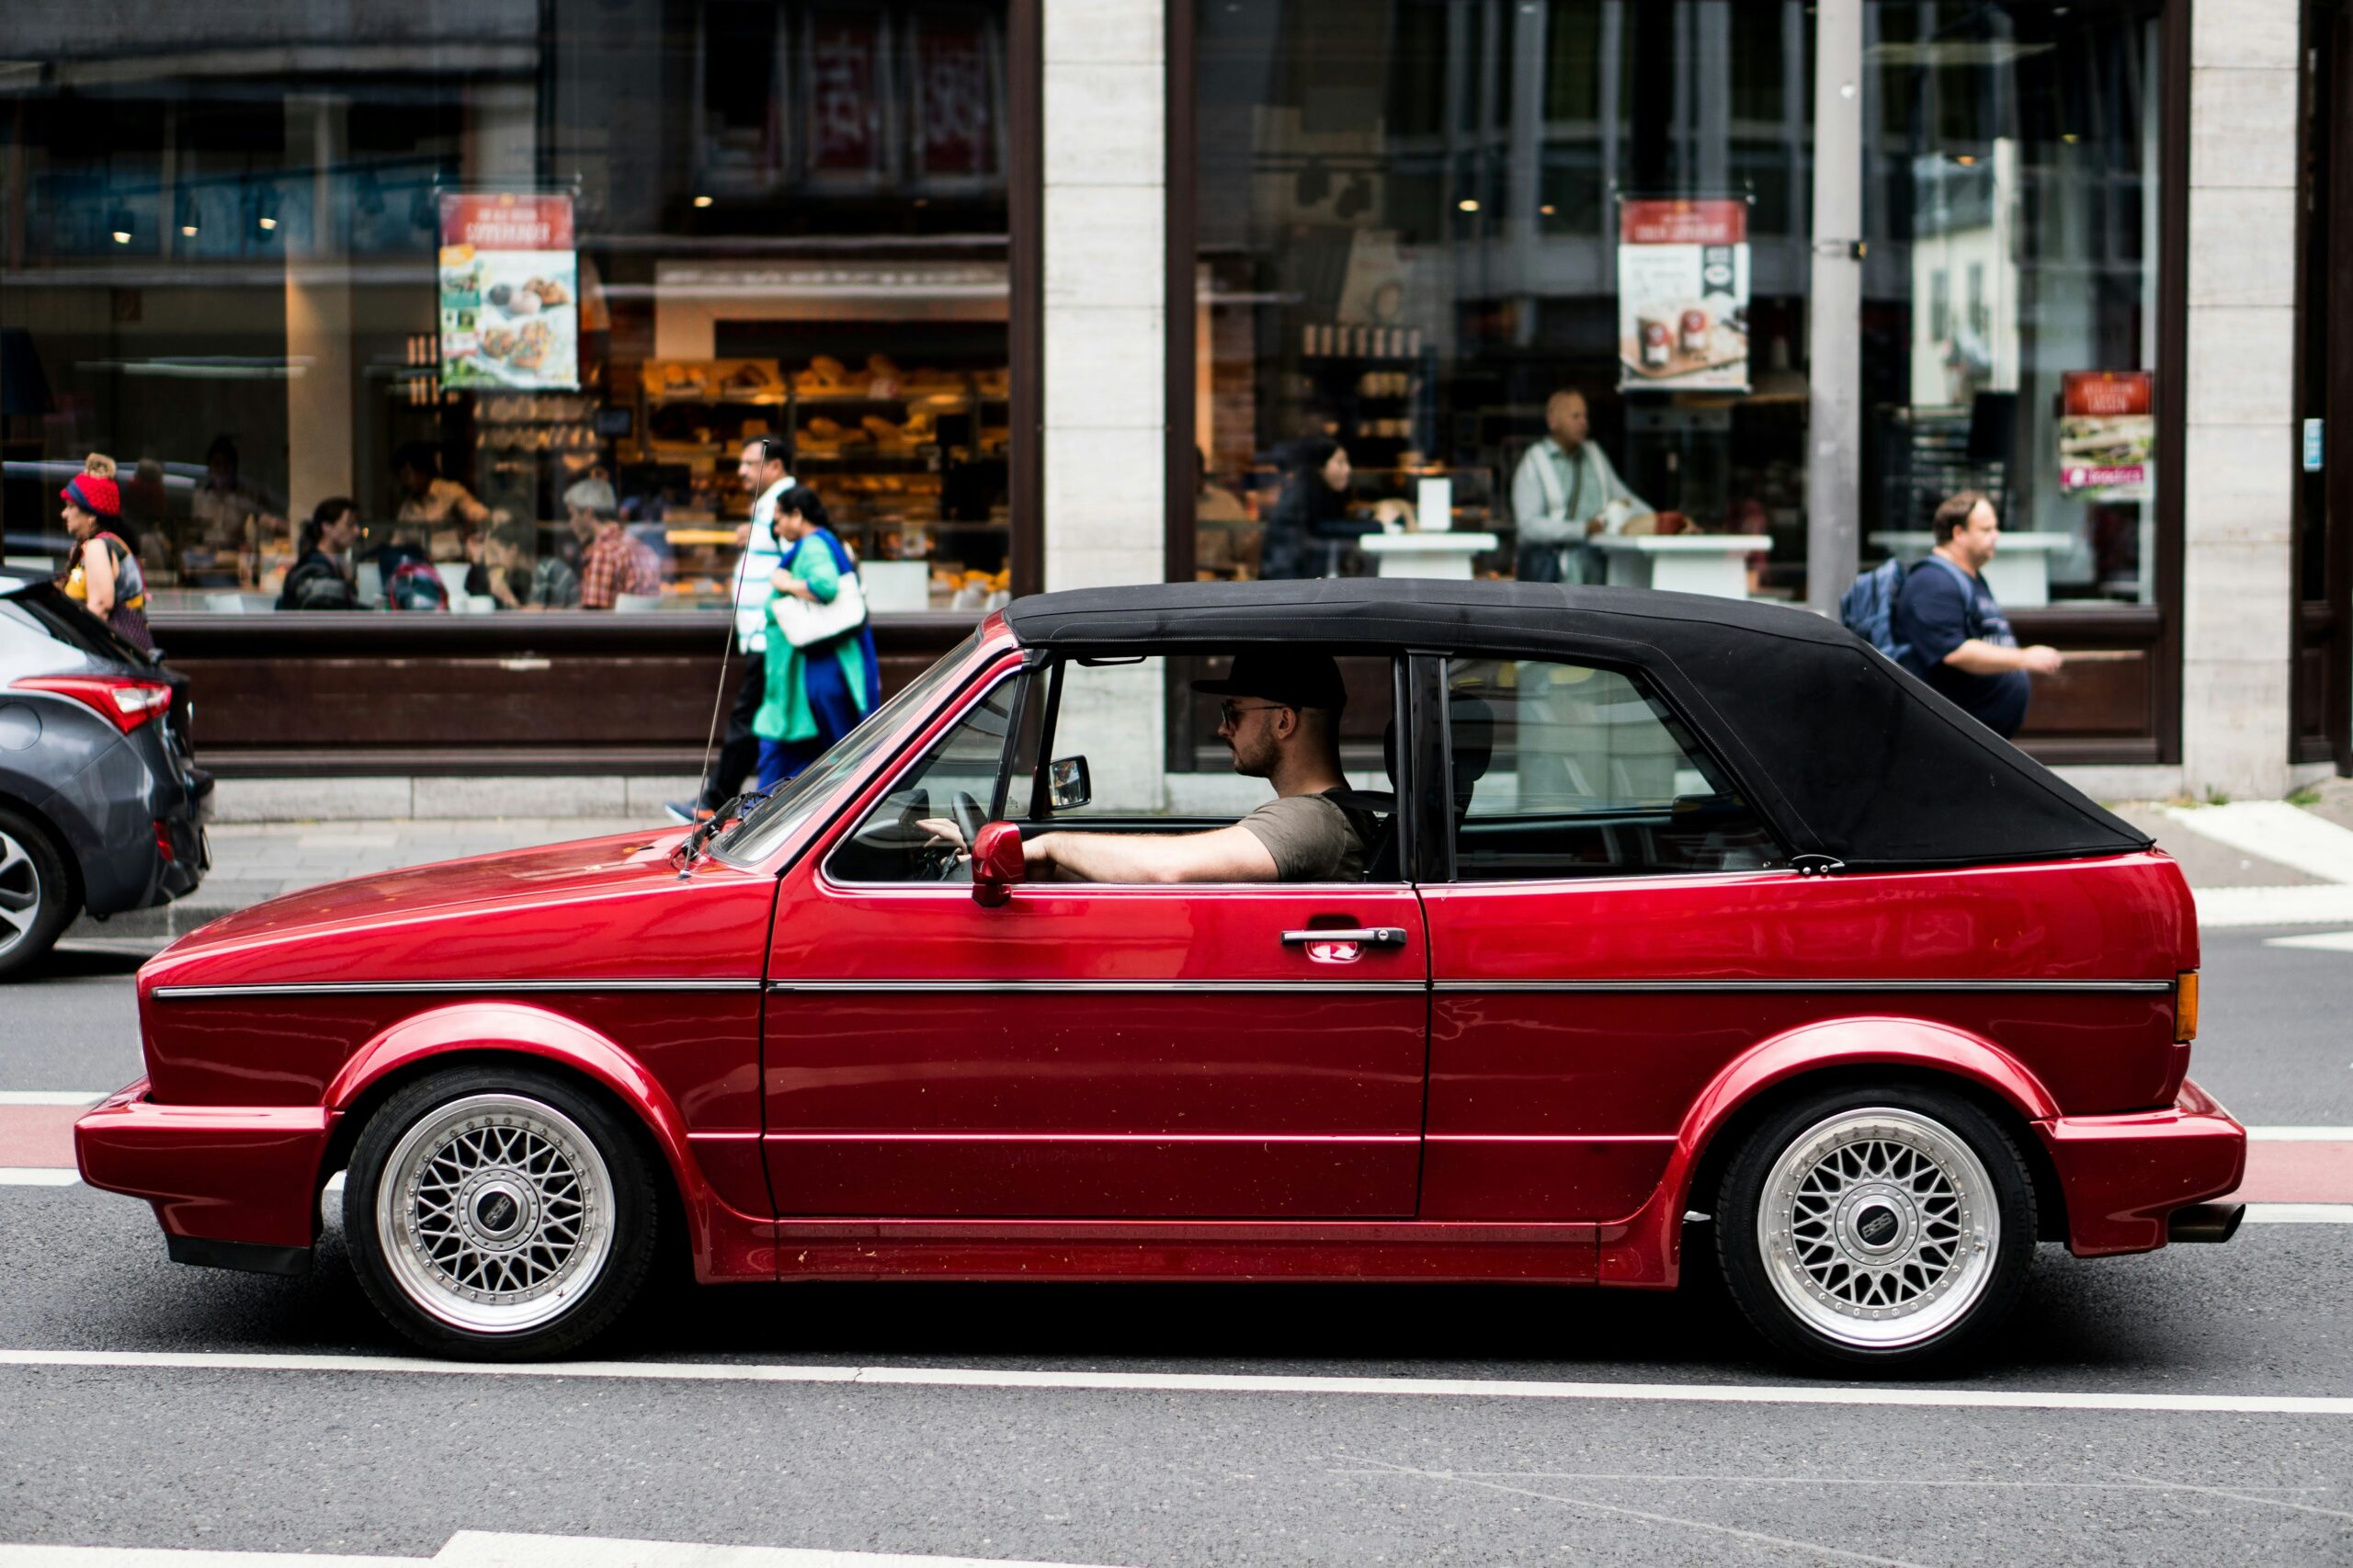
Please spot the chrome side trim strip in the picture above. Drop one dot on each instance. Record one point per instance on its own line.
(438, 987)
(1095, 987)
(2138, 987)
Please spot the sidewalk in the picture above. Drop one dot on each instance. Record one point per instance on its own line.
(2251, 863)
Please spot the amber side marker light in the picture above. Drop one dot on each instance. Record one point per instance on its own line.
(2185, 1006)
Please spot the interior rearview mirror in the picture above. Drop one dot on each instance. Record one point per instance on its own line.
(997, 864)
(1067, 780)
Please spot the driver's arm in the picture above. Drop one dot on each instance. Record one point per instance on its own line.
(1222, 854)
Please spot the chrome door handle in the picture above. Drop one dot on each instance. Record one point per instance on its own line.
(1371, 936)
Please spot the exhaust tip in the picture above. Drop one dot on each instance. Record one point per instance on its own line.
(2205, 1223)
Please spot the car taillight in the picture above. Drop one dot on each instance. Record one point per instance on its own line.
(164, 841)
(126, 700)
(2185, 1006)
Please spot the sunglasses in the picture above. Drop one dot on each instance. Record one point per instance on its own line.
(1230, 713)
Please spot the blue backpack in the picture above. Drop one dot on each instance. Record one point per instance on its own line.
(1868, 608)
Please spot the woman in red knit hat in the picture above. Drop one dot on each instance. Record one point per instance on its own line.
(103, 571)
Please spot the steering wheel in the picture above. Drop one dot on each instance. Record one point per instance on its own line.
(942, 860)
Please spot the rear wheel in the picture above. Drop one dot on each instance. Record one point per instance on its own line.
(36, 900)
(1877, 1227)
(499, 1213)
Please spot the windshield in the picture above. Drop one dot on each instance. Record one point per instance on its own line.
(773, 820)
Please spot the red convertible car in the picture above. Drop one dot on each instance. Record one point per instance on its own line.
(1690, 933)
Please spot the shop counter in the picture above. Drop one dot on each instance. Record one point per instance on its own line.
(1426, 554)
(1715, 564)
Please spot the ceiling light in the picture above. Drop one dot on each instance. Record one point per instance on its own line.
(702, 200)
(1468, 205)
(122, 237)
(1966, 160)
(270, 222)
(1548, 210)
(2069, 137)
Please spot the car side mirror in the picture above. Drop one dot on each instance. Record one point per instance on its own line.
(1068, 783)
(997, 864)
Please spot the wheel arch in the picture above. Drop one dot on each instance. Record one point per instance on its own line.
(15, 800)
(1811, 1060)
(477, 1034)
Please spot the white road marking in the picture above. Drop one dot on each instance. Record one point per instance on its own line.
(40, 1176)
(2325, 903)
(2276, 830)
(2323, 941)
(2244, 1494)
(2300, 1213)
(2301, 1135)
(490, 1548)
(1756, 1537)
(48, 1096)
(1903, 1396)
(1669, 1479)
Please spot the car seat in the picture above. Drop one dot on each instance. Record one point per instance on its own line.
(1472, 723)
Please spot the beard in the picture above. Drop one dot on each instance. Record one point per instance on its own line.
(1254, 760)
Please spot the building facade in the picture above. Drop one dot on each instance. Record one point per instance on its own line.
(1053, 293)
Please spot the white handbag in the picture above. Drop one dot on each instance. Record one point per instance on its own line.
(805, 622)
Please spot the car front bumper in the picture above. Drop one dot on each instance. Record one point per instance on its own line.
(2124, 1176)
(233, 1186)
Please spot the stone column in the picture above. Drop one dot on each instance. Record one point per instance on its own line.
(2240, 450)
(322, 367)
(1834, 307)
(1105, 345)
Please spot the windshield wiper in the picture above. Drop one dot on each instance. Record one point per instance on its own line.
(691, 848)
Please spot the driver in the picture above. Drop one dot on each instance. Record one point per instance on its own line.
(1280, 717)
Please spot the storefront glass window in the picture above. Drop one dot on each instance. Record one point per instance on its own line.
(2010, 314)
(1413, 220)
(520, 295)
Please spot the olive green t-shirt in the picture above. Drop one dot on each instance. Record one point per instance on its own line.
(1309, 837)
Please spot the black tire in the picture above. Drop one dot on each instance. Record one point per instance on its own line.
(36, 901)
(1885, 1245)
(506, 1265)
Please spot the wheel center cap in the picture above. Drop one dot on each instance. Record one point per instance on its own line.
(1876, 1223)
(497, 1210)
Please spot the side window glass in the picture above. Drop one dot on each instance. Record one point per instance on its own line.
(954, 782)
(1564, 770)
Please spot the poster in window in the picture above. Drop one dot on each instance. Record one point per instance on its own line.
(510, 291)
(1682, 295)
(2108, 435)
(955, 130)
(844, 98)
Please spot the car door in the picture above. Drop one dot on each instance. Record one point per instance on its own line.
(1603, 873)
(1083, 1051)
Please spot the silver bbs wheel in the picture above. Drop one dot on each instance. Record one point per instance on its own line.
(20, 893)
(494, 1214)
(1879, 1228)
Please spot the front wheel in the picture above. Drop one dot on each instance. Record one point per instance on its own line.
(499, 1213)
(1876, 1227)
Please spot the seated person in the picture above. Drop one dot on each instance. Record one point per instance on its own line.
(508, 573)
(1281, 719)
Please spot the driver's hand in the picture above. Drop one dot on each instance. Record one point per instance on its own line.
(942, 830)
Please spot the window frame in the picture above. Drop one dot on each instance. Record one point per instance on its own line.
(849, 821)
(1436, 806)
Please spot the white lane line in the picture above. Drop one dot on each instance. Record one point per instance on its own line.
(1756, 1537)
(1900, 1396)
(2301, 1135)
(491, 1548)
(2275, 831)
(1904, 1483)
(2324, 904)
(2300, 1213)
(2321, 942)
(48, 1097)
(40, 1176)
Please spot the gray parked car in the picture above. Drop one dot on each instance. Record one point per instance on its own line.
(102, 805)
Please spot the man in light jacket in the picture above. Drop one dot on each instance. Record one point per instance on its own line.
(1561, 495)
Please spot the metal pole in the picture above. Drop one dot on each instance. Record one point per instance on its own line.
(1833, 317)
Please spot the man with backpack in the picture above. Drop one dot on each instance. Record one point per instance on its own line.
(1940, 621)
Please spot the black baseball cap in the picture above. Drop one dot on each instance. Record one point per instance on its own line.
(1293, 679)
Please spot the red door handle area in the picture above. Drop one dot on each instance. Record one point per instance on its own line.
(1370, 936)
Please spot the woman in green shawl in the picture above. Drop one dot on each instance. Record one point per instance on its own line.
(815, 695)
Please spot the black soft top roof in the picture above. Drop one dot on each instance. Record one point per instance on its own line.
(1848, 754)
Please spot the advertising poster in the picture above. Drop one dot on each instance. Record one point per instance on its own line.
(510, 292)
(1682, 295)
(2108, 435)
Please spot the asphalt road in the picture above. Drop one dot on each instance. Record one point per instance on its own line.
(387, 1462)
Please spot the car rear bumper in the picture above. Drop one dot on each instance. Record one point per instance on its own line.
(2124, 1176)
(234, 1186)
